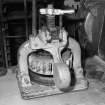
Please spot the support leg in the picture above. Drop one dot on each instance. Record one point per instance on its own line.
(81, 82)
(23, 53)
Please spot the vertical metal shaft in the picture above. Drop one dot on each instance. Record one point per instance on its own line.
(50, 18)
(3, 38)
(26, 17)
(60, 21)
(51, 21)
(34, 16)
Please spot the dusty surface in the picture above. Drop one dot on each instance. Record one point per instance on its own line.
(10, 95)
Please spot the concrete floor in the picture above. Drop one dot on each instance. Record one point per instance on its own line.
(10, 94)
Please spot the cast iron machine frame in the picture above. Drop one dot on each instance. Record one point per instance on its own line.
(52, 39)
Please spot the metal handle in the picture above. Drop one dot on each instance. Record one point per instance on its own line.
(55, 11)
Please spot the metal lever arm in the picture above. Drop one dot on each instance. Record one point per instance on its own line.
(52, 11)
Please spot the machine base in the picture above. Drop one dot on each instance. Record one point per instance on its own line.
(38, 90)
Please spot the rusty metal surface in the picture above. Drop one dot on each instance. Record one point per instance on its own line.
(37, 90)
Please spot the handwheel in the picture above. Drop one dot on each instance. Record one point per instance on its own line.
(62, 76)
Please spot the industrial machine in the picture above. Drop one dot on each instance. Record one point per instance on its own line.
(44, 66)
